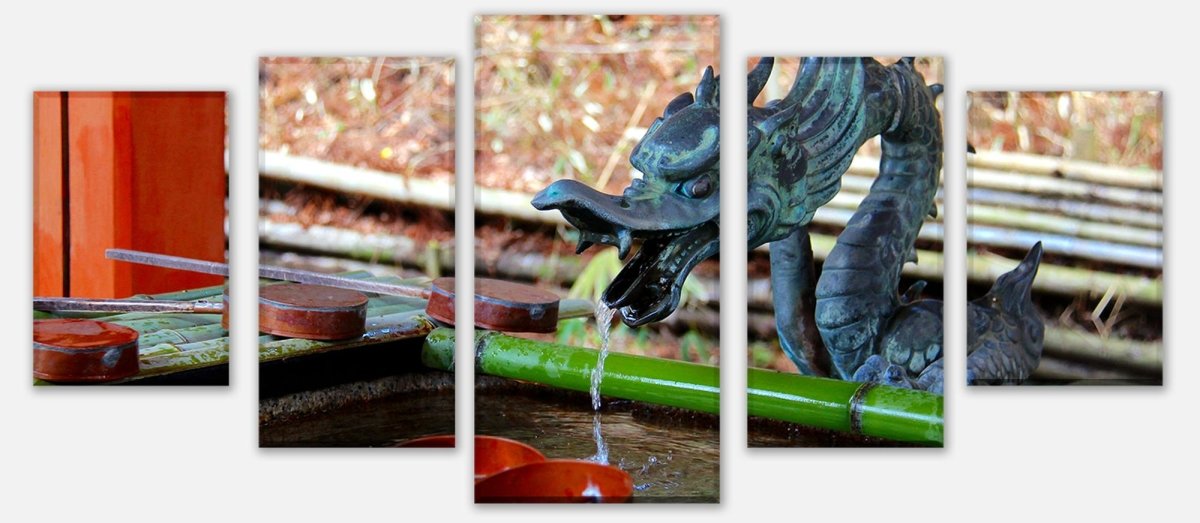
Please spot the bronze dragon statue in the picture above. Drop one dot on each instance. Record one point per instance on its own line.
(674, 209)
(852, 323)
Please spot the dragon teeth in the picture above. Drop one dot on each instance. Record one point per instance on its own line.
(624, 243)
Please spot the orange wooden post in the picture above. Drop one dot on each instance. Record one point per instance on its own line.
(144, 171)
(47, 195)
(179, 190)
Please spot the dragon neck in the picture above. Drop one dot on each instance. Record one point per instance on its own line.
(858, 290)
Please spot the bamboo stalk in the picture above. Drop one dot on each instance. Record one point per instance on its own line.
(1033, 221)
(185, 335)
(1083, 179)
(1070, 169)
(190, 356)
(892, 413)
(575, 308)
(1095, 212)
(169, 321)
(1131, 255)
(403, 325)
(1069, 281)
(375, 247)
(886, 412)
(515, 204)
(355, 180)
(1076, 345)
(1065, 188)
(1051, 368)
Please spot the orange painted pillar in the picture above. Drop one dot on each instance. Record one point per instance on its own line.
(139, 171)
(48, 247)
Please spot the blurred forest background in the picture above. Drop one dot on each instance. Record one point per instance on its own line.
(1081, 172)
(358, 166)
(568, 97)
(1113, 128)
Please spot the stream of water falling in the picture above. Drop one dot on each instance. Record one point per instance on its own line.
(604, 316)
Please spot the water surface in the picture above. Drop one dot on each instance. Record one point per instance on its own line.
(672, 456)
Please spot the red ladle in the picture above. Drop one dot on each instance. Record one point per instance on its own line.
(556, 481)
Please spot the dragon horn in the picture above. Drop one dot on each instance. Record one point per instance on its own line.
(707, 90)
(758, 78)
(806, 77)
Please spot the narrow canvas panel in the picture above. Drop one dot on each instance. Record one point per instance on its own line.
(122, 177)
(356, 182)
(1065, 238)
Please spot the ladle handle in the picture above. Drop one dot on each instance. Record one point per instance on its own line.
(101, 305)
(267, 271)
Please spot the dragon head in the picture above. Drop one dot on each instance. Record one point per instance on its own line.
(674, 209)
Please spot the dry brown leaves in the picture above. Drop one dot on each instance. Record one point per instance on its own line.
(1117, 128)
(555, 94)
(390, 114)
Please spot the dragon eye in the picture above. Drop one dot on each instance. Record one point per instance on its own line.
(697, 188)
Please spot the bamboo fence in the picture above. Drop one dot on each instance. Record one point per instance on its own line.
(1102, 227)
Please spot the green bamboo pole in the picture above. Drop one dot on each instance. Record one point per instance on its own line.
(184, 335)
(169, 321)
(190, 356)
(874, 410)
(661, 382)
(881, 411)
(398, 325)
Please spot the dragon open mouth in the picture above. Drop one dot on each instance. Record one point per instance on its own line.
(677, 233)
(648, 288)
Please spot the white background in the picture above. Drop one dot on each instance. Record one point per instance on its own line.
(190, 454)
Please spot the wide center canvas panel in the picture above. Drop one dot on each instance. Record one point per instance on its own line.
(597, 172)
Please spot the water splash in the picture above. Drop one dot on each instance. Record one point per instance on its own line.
(601, 455)
(592, 492)
(604, 316)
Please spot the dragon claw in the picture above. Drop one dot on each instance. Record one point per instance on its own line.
(877, 369)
